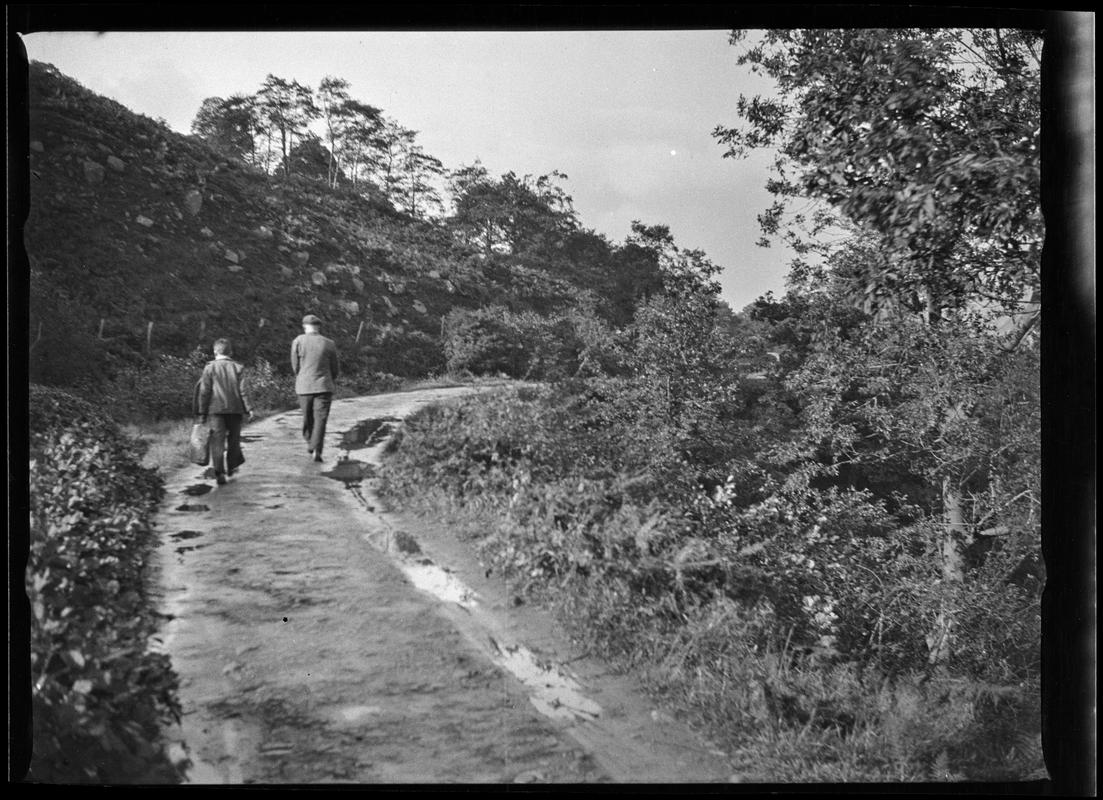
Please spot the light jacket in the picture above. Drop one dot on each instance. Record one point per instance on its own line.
(222, 388)
(314, 362)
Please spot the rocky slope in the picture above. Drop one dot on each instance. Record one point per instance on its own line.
(140, 239)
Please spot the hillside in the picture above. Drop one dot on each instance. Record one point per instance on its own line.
(144, 241)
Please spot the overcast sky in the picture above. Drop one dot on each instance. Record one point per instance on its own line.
(626, 115)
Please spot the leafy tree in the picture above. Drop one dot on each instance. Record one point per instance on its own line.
(333, 97)
(512, 215)
(310, 158)
(389, 146)
(921, 148)
(926, 140)
(419, 184)
(357, 128)
(229, 124)
(287, 108)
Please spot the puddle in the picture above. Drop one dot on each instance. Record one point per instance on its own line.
(184, 535)
(196, 489)
(436, 581)
(189, 548)
(368, 432)
(350, 472)
(252, 437)
(193, 507)
(555, 694)
(358, 713)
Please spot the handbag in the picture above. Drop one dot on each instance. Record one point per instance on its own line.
(199, 445)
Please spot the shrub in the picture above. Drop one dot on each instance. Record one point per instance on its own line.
(99, 695)
(804, 602)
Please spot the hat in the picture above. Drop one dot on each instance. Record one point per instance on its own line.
(310, 319)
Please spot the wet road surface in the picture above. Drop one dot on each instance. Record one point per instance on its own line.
(319, 639)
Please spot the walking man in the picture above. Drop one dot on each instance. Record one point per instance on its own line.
(221, 402)
(314, 362)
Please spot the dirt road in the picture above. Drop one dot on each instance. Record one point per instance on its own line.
(320, 640)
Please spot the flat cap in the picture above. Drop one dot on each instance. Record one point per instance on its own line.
(310, 319)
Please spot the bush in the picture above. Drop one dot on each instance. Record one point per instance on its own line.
(805, 602)
(99, 696)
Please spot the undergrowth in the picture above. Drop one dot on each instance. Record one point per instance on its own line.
(100, 695)
(758, 619)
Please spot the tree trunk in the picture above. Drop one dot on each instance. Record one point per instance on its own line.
(940, 639)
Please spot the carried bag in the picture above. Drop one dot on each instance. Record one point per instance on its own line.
(199, 445)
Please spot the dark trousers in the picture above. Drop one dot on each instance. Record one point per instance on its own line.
(225, 442)
(315, 408)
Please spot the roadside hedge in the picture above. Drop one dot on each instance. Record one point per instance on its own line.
(99, 695)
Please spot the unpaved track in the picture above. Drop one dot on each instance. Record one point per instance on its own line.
(321, 640)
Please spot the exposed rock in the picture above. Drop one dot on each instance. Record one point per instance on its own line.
(93, 172)
(144, 221)
(234, 268)
(350, 307)
(206, 232)
(419, 307)
(287, 272)
(434, 274)
(263, 232)
(116, 163)
(102, 147)
(449, 287)
(301, 257)
(193, 201)
(318, 278)
(359, 284)
(231, 256)
(37, 146)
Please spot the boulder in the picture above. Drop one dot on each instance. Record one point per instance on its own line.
(419, 307)
(350, 307)
(206, 232)
(234, 268)
(318, 278)
(231, 256)
(93, 172)
(37, 146)
(434, 274)
(301, 257)
(116, 163)
(263, 232)
(359, 284)
(287, 272)
(193, 201)
(146, 221)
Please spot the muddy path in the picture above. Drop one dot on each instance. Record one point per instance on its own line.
(320, 639)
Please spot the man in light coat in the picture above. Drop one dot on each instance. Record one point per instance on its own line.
(221, 401)
(314, 362)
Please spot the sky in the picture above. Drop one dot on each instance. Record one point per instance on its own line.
(627, 115)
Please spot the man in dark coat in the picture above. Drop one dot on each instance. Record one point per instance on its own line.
(314, 362)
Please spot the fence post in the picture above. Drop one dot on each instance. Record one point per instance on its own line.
(359, 331)
(102, 321)
(149, 338)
